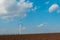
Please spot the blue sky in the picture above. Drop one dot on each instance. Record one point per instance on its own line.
(29, 16)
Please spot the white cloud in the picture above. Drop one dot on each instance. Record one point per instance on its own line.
(22, 0)
(41, 25)
(35, 8)
(53, 7)
(1, 1)
(2, 8)
(12, 8)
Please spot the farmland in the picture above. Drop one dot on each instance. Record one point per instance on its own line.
(50, 36)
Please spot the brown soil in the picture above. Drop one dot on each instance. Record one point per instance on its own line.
(53, 36)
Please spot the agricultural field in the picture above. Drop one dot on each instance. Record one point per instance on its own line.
(50, 36)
